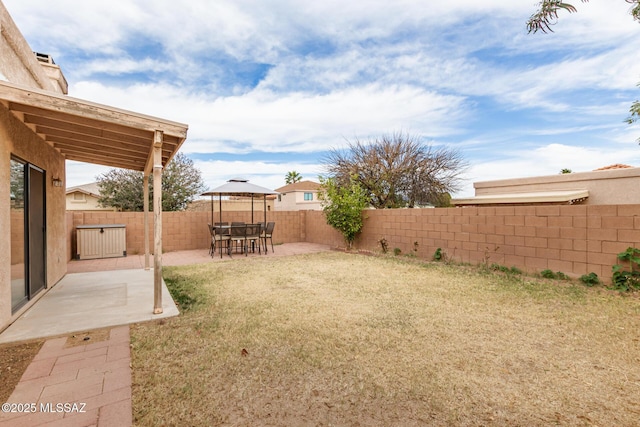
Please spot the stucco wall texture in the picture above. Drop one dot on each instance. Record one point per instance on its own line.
(573, 239)
(606, 187)
(16, 139)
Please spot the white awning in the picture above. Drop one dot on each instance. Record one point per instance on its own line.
(558, 197)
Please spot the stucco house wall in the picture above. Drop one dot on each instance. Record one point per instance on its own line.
(85, 198)
(80, 201)
(606, 187)
(291, 197)
(17, 139)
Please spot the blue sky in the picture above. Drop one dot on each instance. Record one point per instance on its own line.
(267, 87)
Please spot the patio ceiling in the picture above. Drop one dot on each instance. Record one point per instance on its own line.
(93, 133)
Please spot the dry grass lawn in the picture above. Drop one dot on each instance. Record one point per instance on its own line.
(352, 340)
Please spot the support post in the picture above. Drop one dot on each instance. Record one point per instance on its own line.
(157, 226)
(145, 192)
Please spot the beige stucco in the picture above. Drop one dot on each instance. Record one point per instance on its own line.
(17, 139)
(291, 197)
(85, 198)
(294, 201)
(80, 201)
(605, 187)
(19, 65)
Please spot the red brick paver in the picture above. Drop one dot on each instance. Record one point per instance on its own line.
(85, 385)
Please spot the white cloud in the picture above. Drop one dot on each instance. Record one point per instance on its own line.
(270, 175)
(299, 122)
(356, 69)
(79, 173)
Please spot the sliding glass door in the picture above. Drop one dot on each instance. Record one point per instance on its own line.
(28, 232)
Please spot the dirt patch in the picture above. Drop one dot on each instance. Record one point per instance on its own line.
(14, 359)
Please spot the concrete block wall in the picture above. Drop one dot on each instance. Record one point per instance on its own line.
(575, 240)
(182, 230)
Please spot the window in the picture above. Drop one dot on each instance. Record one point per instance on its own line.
(308, 197)
(78, 197)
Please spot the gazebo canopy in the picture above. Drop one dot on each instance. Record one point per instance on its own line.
(239, 187)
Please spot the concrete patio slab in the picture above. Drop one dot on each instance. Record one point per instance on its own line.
(92, 300)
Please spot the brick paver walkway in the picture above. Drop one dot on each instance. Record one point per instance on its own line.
(85, 385)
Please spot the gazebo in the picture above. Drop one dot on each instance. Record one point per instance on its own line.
(239, 187)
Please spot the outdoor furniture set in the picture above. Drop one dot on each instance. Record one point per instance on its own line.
(240, 236)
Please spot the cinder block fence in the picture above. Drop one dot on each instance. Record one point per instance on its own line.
(575, 240)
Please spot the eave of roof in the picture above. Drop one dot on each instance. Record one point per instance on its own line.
(93, 133)
(92, 189)
(299, 186)
(567, 196)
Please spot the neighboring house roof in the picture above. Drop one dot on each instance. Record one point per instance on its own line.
(614, 166)
(91, 189)
(569, 197)
(299, 186)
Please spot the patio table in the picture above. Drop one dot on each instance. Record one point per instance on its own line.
(238, 234)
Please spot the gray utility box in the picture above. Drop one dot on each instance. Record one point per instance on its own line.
(101, 241)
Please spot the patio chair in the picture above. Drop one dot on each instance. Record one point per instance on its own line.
(219, 236)
(268, 234)
(212, 246)
(251, 238)
(237, 235)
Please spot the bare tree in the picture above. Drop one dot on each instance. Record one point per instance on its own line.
(398, 170)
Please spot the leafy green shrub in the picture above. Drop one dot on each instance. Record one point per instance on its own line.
(505, 269)
(627, 279)
(438, 255)
(343, 206)
(497, 267)
(548, 274)
(397, 251)
(590, 279)
(515, 270)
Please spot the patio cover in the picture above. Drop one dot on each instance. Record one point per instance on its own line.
(558, 197)
(239, 187)
(93, 133)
